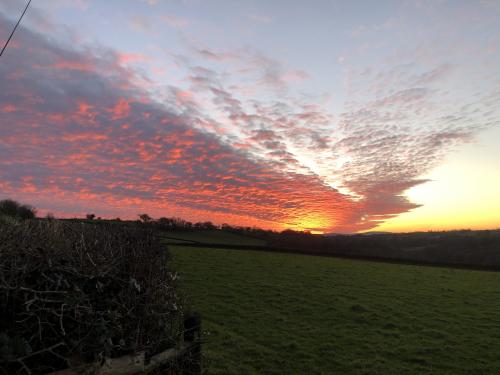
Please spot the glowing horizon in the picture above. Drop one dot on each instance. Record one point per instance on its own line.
(337, 117)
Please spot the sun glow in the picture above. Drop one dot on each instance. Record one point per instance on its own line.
(313, 223)
(462, 194)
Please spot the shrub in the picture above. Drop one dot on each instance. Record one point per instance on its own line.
(72, 293)
(13, 209)
(9, 207)
(25, 212)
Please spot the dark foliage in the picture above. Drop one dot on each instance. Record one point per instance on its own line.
(145, 218)
(11, 208)
(25, 212)
(79, 292)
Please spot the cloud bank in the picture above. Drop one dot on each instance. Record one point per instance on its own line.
(81, 132)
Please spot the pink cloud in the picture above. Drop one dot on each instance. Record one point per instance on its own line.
(82, 66)
(127, 58)
(7, 108)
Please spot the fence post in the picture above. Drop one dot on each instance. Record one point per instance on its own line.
(192, 337)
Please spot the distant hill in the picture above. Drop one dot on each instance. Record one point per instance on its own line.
(465, 248)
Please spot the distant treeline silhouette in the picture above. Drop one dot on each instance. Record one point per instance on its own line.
(480, 248)
(461, 248)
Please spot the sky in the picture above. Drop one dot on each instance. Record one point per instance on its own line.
(327, 116)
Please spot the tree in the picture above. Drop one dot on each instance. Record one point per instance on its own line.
(208, 225)
(14, 209)
(90, 216)
(165, 223)
(145, 218)
(25, 212)
(226, 227)
(9, 207)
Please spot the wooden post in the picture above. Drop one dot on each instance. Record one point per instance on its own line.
(192, 338)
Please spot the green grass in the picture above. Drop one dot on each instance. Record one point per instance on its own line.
(292, 314)
(213, 236)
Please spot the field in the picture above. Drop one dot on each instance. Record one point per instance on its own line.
(269, 313)
(210, 236)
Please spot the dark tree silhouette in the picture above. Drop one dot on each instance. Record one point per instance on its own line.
(25, 212)
(145, 218)
(11, 208)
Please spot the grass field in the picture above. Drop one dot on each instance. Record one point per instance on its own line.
(271, 313)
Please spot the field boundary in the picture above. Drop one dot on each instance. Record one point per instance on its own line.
(180, 239)
(379, 259)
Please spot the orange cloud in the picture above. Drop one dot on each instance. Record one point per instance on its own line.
(7, 108)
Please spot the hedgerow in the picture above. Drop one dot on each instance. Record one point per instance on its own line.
(73, 293)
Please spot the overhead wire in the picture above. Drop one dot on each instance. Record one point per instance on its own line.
(15, 27)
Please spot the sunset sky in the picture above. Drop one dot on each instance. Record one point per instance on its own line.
(329, 116)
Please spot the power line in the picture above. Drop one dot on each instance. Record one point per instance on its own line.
(15, 27)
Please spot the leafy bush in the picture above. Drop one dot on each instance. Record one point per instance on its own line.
(11, 208)
(72, 293)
